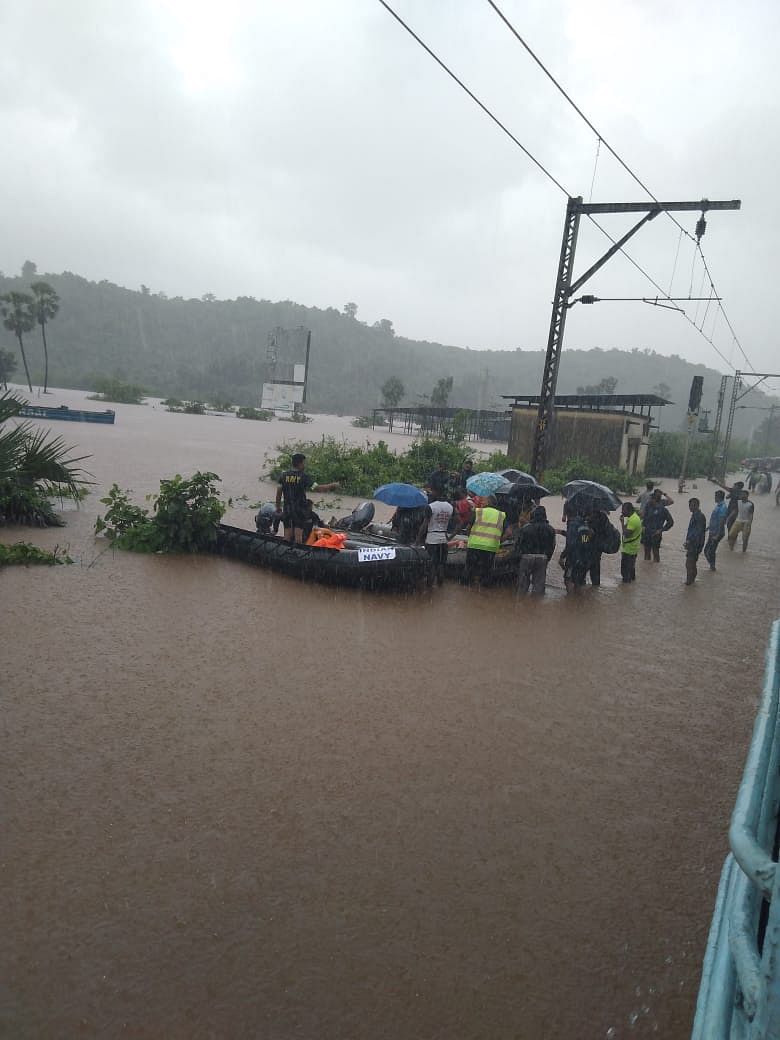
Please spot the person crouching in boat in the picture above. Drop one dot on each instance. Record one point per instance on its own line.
(433, 532)
(484, 540)
(293, 485)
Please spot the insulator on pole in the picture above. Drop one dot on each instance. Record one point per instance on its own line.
(701, 227)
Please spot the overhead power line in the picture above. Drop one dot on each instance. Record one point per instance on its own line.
(549, 175)
(619, 159)
(474, 97)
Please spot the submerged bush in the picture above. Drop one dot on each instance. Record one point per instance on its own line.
(184, 516)
(26, 553)
(110, 388)
(359, 470)
(258, 414)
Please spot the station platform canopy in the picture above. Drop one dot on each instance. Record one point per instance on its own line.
(638, 404)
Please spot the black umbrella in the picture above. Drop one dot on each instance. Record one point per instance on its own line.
(517, 475)
(526, 489)
(587, 494)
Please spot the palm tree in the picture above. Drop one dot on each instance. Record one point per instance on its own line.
(7, 367)
(47, 303)
(33, 465)
(18, 311)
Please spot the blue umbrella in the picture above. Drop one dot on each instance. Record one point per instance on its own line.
(484, 484)
(405, 495)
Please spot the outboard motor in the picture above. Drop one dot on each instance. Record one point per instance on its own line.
(362, 516)
(267, 520)
(358, 519)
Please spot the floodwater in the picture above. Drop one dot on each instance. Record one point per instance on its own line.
(239, 806)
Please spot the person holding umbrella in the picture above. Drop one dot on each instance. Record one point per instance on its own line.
(410, 504)
(535, 544)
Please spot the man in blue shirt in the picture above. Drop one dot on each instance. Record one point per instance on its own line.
(716, 528)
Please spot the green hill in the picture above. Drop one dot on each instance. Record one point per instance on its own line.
(201, 349)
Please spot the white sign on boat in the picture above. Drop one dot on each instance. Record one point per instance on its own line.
(376, 552)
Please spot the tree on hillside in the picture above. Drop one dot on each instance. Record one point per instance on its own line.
(209, 297)
(661, 390)
(604, 386)
(18, 311)
(47, 303)
(441, 392)
(392, 392)
(350, 310)
(766, 438)
(29, 269)
(385, 325)
(7, 367)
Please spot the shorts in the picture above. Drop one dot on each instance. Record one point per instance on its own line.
(298, 521)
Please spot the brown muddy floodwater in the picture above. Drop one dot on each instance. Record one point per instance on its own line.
(240, 806)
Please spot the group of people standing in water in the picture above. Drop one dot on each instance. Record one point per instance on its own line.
(454, 518)
(485, 525)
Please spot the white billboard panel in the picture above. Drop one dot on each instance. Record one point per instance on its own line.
(281, 397)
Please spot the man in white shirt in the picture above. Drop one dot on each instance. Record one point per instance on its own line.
(743, 523)
(433, 532)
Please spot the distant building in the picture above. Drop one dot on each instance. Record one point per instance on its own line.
(611, 429)
(287, 360)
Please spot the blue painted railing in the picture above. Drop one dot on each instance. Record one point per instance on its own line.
(739, 997)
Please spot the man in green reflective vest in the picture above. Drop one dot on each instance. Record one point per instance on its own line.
(484, 540)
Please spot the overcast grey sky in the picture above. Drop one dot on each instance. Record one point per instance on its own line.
(310, 150)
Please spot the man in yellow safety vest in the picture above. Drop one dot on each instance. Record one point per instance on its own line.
(484, 540)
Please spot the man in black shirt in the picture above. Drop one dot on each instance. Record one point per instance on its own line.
(439, 481)
(293, 487)
(535, 544)
(466, 471)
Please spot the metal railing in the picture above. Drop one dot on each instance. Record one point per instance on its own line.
(739, 996)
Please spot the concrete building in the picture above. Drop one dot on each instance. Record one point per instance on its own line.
(611, 429)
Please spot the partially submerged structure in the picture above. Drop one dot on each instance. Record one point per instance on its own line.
(611, 429)
(466, 424)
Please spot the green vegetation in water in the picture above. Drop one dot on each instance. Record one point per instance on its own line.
(666, 451)
(184, 516)
(360, 470)
(363, 422)
(258, 414)
(113, 389)
(34, 466)
(24, 553)
(173, 404)
(296, 417)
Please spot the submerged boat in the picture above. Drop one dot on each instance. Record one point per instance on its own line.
(34, 411)
(739, 996)
(363, 562)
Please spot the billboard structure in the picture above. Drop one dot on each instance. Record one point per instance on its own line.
(287, 360)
